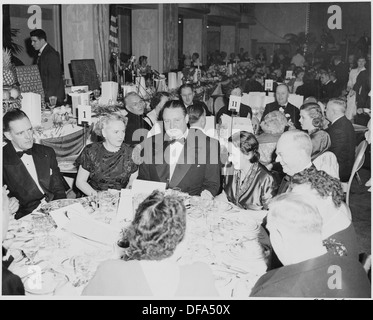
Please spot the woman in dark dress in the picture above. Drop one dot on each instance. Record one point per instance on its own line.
(108, 164)
(248, 184)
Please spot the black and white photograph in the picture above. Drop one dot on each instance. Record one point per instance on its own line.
(186, 153)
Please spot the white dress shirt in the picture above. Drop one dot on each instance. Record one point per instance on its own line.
(175, 151)
(28, 161)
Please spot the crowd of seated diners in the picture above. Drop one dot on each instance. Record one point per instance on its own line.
(291, 170)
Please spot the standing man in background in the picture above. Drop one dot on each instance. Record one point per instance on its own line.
(49, 65)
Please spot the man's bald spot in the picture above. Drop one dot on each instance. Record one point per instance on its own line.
(297, 139)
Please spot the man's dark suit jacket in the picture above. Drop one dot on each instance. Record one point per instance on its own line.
(328, 91)
(342, 135)
(22, 186)
(11, 283)
(51, 74)
(135, 122)
(198, 167)
(341, 73)
(290, 109)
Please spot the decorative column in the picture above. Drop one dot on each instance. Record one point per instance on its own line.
(170, 37)
(227, 39)
(192, 41)
(237, 38)
(203, 54)
(145, 35)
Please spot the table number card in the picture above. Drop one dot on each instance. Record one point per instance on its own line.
(84, 114)
(289, 74)
(234, 103)
(268, 85)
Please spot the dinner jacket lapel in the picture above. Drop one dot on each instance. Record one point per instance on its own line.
(16, 172)
(162, 160)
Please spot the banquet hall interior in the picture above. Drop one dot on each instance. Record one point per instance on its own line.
(106, 108)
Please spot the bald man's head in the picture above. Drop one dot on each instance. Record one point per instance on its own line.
(282, 94)
(294, 149)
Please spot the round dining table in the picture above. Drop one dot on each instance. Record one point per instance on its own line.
(58, 247)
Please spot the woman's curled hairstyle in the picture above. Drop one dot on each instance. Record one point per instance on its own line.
(247, 143)
(315, 113)
(105, 118)
(158, 227)
(323, 183)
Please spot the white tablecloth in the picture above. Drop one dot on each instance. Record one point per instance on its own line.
(227, 239)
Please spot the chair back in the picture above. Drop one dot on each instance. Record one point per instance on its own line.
(327, 162)
(359, 161)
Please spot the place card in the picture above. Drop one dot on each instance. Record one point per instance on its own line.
(289, 74)
(268, 85)
(84, 114)
(234, 103)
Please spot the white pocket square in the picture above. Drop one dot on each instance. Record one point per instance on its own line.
(50, 172)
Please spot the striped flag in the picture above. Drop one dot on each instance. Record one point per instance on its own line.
(113, 32)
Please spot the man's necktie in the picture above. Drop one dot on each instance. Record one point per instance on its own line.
(21, 153)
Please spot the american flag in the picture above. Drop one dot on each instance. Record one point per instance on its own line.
(113, 33)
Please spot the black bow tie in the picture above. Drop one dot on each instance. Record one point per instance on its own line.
(181, 140)
(21, 153)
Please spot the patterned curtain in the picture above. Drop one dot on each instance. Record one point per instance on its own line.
(102, 50)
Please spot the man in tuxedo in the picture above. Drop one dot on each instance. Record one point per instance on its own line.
(49, 65)
(291, 112)
(186, 93)
(342, 135)
(137, 126)
(183, 158)
(294, 149)
(30, 170)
